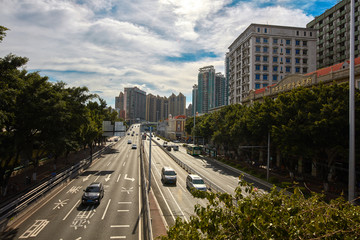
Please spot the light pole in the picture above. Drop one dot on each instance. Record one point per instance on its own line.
(194, 117)
(351, 190)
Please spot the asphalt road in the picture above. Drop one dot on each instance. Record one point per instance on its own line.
(62, 216)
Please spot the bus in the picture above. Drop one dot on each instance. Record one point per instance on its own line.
(193, 150)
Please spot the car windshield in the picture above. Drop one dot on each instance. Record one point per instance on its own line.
(92, 189)
(171, 173)
(198, 181)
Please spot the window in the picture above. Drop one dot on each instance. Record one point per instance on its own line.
(288, 51)
(288, 41)
(266, 40)
(288, 60)
(257, 49)
(257, 67)
(265, 30)
(265, 85)
(297, 51)
(288, 69)
(297, 42)
(297, 60)
(265, 49)
(275, 59)
(305, 34)
(265, 77)
(304, 61)
(257, 58)
(310, 34)
(304, 43)
(297, 33)
(275, 50)
(304, 70)
(265, 68)
(275, 77)
(257, 39)
(258, 29)
(265, 58)
(297, 70)
(257, 85)
(275, 68)
(304, 52)
(275, 40)
(257, 76)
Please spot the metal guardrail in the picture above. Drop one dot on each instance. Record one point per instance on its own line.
(19, 203)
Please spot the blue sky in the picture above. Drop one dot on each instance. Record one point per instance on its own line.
(156, 45)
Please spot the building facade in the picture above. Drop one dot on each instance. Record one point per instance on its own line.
(219, 90)
(264, 54)
(134, 105)
(119, 105)
(333, 34)
(206, 82)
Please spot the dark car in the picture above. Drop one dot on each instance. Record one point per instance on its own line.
(93, 193)
(168, 148)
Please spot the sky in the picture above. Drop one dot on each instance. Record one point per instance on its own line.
(155, 45)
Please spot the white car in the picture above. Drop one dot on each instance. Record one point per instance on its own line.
(195, 181)
(129, 141)
(133, 146)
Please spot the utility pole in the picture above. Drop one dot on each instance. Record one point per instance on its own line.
(351, 190)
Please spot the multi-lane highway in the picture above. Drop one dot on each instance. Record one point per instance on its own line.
(62, 216)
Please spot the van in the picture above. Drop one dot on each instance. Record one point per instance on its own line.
(168, 175)
(195, 181)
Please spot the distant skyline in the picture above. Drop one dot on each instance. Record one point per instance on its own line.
(158, 46)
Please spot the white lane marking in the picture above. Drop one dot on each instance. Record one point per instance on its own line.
(107, 178)
(96, 178)
(35, 229)
(123, 210)
(124, 164)
(127, 190)
(71, 210)
(119, 226)
(60, 204)
(108, 163)
(117, 237)
(124, 202)
(118, 178)
(140, 206)
(131, 179)
(107, 206)
(178, 205)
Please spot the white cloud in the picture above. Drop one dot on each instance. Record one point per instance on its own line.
(108, 45)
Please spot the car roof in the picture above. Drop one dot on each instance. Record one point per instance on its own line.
(168, 168)
(194, 176)
(95, 184)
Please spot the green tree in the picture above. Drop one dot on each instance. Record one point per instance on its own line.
(276, 215)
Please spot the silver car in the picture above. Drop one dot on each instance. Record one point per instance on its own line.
(168, 175)
(195, 181)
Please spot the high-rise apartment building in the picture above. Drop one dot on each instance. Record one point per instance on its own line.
(134, 105)
(264, 54)
(219, 90)
(119, 105)
(159, 108)
(152, 112)
(333, 34)
(206, 82)
(195, 101)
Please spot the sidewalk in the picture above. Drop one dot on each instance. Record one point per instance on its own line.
(157, 223)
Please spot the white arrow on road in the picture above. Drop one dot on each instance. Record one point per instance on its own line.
(131, 179)
(107, 178)
(86, 178)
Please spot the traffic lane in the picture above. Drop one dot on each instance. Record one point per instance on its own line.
(176, 201)
(82, 217)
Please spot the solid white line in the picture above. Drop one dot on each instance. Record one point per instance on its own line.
(120, 226)
(107, 206)
(96, 178)
(117, 237)
(124, 202)
(124, 164)
(108, 164)
(178, 205)
(118, 178)
(71, 210)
